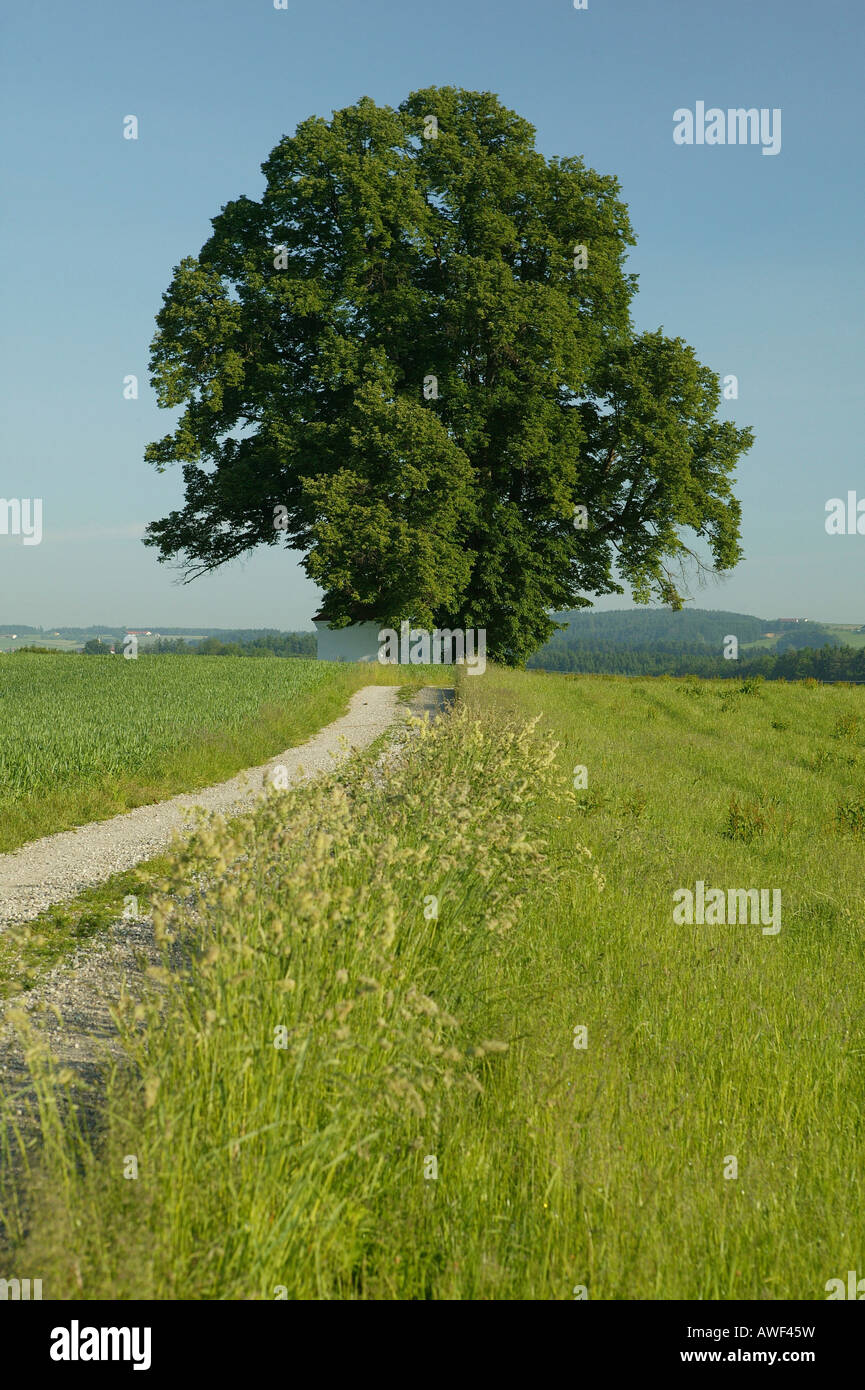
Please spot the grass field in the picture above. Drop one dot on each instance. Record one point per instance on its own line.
(82, 738)
(846, 634)
(361, 1074)
(849, 636)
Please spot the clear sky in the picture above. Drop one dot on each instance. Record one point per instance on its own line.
(755, 260)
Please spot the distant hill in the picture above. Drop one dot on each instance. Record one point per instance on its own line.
(638, 627)
(644, 641)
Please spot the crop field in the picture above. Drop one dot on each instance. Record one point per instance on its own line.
(82, 738)
(444, 1032)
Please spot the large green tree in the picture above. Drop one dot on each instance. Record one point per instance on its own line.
(415, 350)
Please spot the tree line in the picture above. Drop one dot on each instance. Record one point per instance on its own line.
(827, 663)
(278, 644)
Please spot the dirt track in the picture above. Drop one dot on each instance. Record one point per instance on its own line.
(59, 867)
(71, 1006)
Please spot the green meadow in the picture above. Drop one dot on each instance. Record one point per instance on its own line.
(82, 738)
(428, 1029)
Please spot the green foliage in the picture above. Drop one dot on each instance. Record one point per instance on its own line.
(847, 726)
(390, 530)
(639, 628)
(298, 341)
(851, 816)
(834, 664)
(284, 644)
(746, 820)
(811, 635)
(603, 1167)
(320, 1029)
(34, 648)
(691, 642)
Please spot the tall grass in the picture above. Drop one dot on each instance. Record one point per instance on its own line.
(314, 1034)
(305, 1168)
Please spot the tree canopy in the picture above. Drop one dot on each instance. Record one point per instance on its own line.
(415, 350)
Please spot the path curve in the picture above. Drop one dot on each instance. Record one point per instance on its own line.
(58, 867)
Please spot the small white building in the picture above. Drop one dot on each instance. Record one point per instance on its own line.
(405, 644)
(359, 642)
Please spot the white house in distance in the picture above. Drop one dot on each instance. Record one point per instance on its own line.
(407, 645)
(359, 642)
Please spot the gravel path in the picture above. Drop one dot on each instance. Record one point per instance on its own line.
(71, 1006)
(59, 867)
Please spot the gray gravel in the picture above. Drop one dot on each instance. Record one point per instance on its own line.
(59, 867)
(71, 1006)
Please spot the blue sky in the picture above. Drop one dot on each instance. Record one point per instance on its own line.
(756, 261)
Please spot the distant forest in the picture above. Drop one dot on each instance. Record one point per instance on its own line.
(643, 627)
(656, 643)
(264, 644)
(638, 642)
(249, 644)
